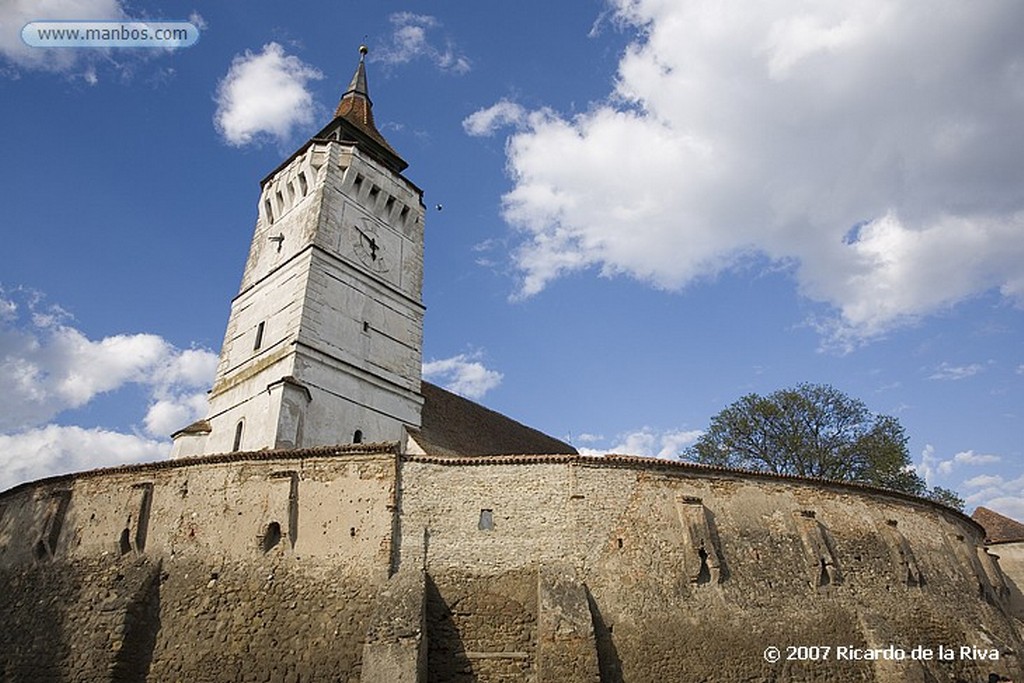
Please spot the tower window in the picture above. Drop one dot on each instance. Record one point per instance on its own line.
(268, 209)
(358, 436)
(303, 185)
(358, 183)
(238, 436)
(259, 337)
(486, 522)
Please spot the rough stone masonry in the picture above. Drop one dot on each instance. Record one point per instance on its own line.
(360, 564)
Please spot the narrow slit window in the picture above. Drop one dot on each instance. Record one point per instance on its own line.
(824, 577)
(238, 436)
(358, 436)
(259, 336)
(303, 184)
(268, 209)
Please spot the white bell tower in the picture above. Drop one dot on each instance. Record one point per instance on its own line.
(325, 337)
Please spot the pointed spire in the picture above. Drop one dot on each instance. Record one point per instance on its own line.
(356, 108)
(358, 93)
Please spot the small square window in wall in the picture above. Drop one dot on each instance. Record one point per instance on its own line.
(486, 520)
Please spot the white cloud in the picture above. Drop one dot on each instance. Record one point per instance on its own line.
(14, 14)
(650, 443)
(197, 20)
(167, 415)
(53, 449)
(972, 458)
(933, 466)
(487, 121)
(983, 481)
(410, 41)
(265, 95)
(869, 146)
(948, 371)
(462, 374)
(48, 366)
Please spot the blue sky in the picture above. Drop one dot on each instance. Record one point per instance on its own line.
(650, 209)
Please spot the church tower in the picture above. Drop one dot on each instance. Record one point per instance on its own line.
(324, 341)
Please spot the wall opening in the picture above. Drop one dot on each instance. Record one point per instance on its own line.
(238, 436)
(271, 537)
(303, 185)
(486, 522)
(357, 437)
(259, 336)
(125, 543)
(704, 574)
(824, 578)
(268, 209)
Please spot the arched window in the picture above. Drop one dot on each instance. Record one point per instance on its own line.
(238, 436)
(358, 436)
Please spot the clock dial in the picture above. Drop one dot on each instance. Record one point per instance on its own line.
(369, 248)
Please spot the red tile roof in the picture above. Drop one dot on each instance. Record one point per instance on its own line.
(998, 528)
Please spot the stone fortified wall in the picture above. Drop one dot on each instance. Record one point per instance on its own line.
(358, 564)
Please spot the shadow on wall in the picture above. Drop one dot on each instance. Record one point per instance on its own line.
(31, 648)
(607, 655)
(446, 658)
(141, 626)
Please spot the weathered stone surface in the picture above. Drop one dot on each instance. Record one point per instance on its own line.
(585, 572)
(396, 642)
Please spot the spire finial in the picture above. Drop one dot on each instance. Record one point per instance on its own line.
(362, 51)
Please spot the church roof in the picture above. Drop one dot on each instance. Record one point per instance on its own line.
(998, 528)
(452, 425)
(355, 117)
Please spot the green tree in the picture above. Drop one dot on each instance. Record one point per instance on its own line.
(813, 430)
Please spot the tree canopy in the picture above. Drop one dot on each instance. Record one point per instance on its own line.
(814, 430)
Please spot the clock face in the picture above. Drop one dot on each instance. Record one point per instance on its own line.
(369, 248)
